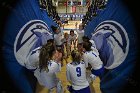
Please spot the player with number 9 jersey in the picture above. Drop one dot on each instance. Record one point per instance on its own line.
(76, 74)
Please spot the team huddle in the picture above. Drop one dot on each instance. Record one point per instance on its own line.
(47, 60)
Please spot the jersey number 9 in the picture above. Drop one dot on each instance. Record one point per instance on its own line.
(78, 70)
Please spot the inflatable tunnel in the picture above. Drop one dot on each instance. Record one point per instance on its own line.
(114, 34)
(28, 27)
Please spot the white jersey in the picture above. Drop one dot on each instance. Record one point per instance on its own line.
(73, 37)
(93, 47)
(93, 59)
(77, 75)
(80, 35)
(58, 37)
(47, 79)
(64, 40)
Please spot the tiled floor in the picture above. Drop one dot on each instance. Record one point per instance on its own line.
(62, 74)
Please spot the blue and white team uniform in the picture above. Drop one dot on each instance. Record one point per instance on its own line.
(58, 38)
(47, 79)
(77, 75)
(80, 35)
(92, 58)
(93, 47)
(73, 38)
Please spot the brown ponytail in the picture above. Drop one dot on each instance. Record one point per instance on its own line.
(76, 56)
(46, 53)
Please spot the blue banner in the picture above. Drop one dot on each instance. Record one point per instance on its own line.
(114, 34)
(27, 27)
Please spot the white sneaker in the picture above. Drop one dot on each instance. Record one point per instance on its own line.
(93, 76)
(59, 87)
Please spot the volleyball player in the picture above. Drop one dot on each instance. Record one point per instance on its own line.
(73, 38)
(43, 61)
(92, 58)
(80, 32)
(93, 46)
(76, 74)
